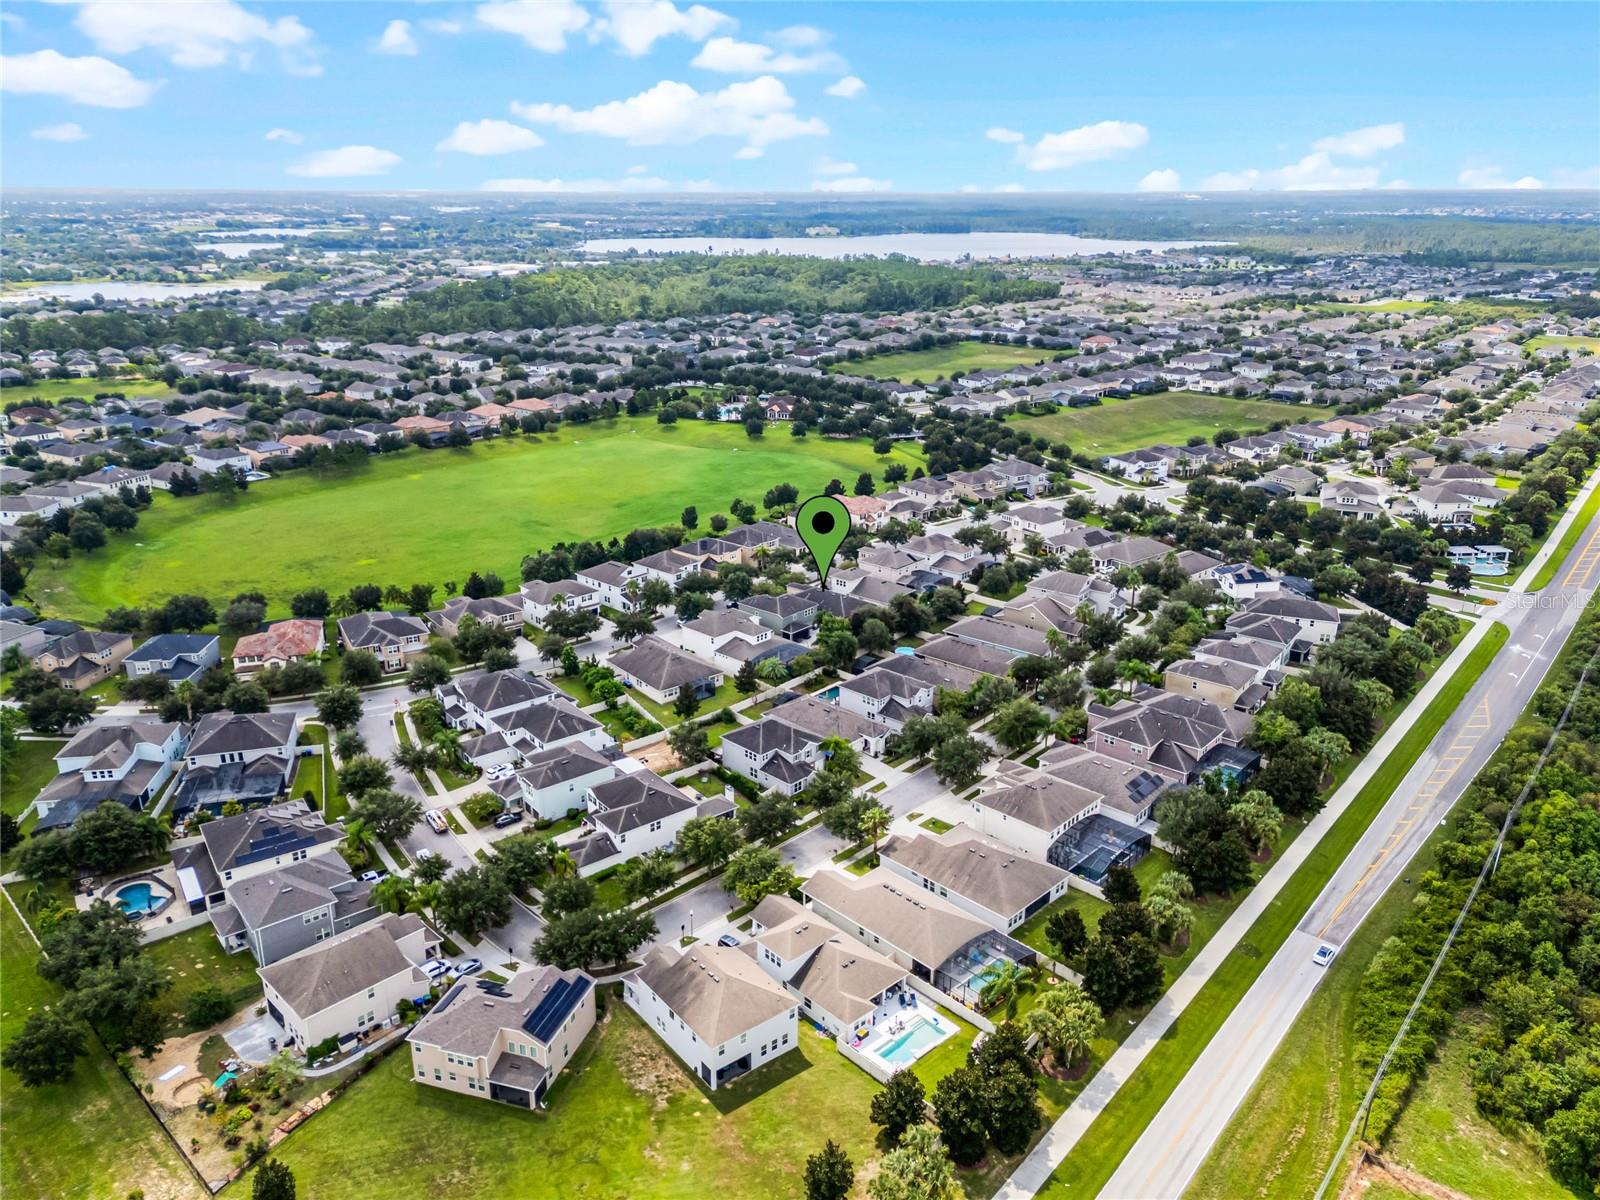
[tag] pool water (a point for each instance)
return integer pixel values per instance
(1491, 569)
(910, 1045)
(137, 898)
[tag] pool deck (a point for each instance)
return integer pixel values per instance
(892, 1021)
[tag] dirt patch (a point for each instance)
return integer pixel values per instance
(646, 1067)
(183, 1089)
(1374, 1167)
(659, 757)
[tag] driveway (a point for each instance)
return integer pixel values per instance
(254, 1041)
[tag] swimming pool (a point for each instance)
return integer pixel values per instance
(907, 1047)
(1491, 569)
(138, 898)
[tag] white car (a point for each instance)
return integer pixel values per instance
(1323, 955)
(433, 968)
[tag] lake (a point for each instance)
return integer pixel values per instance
(130, 291)
(235, 249)
(927, 247)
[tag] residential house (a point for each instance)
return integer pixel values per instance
(662, 671)
(715, 1008)
(397, 639)
(978, 875)
(349, 986)
(82, 659)
(176, 657)
(272, 881)
(248, 757)
(505, 1042)
(278, 645)
(126, 761)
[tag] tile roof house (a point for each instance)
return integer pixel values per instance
(278, 645)
(248, 757)
(505, 1042)
(1170, 735)
(660, 670)
(631, 814)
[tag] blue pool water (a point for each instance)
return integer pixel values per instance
(905, 650)
(909, 1046)
(136, 898)
(1491, 569)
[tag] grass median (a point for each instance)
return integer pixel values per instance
(1119, 1125)
(1569, 539)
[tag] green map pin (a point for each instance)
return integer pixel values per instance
(823, 524)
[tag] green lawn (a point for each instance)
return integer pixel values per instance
(441, 513)
(52, 391)
(194, 959)
(1120, 1123)
(88, 1138)
(25, 771)
(909, 366)
(1569, 342)
(1171, 417)
(724, 697)
(624, 1120)
(318, 775)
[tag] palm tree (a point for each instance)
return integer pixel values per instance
(394, 894)
(562, 866)
(415, 757)
(874, 822)
(1066, 1021)
(1004, 986)
(184, 694)
(359, 839)
(448, 744)
(772, 670)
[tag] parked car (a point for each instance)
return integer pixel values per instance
(508, 818)
(493, 774)
(372, 876)
(469, 966)
(1323, 955)
(727, 939)
(433, 968)
(435, 820)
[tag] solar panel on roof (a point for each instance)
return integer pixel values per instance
(444, 1000)
(546, 1018)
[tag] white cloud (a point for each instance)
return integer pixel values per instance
(197, 33)
(748, 152)
(68, 131)
(542, 24)
(829, 166)
(637, 25)
(1495, 177)
(1087, 143)
(847, 88)
(758, 111)
(630, 183)
(344, 162)
(733, 57)
(490, 136)
(397, 39)
(1363, 143)
(801, 37)
(434, 25)
(1165, 180)
(1316, 172)
(1000, 133)
(86, 80)
(285, 135)
(852, 183)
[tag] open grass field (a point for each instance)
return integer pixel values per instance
(1567, 342)
(1569, 539)
(1441, 1135)
(1120, 1122)
(1171, 417)
(437, 515)
(909, 366)
(50, 391)
(88, 1138)
(195, 959)
(624, 1120)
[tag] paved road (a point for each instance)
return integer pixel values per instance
(1178, 1140)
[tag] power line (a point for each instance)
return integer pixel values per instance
(1491, 863)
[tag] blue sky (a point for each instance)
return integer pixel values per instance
(552, 95)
